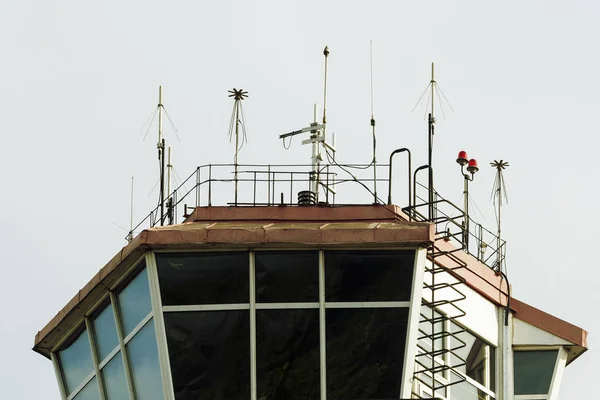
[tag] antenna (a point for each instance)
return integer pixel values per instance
(161, 156)
(498, 192)
(326, 54)
(432, 88)
(374, 162)
(238, 96)
(169, 168)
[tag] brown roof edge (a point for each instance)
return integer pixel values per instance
(549, 323)
(47, 338)
(346, 213)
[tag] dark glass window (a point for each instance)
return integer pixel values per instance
(287, 352)
(534, 370)
(203, 278)
(365, 352)
(368, 275)
(209, 353)
(287, 276)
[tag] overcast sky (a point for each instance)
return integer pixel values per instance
(79, 79)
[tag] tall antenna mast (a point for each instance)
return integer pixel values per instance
(161, 156)
(374, 162)
(326, 54)
(431, 131)
(498, 192)
(169, 169)
(238, 96)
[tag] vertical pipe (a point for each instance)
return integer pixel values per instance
(198, 183)
(209, 185)
(169, 168)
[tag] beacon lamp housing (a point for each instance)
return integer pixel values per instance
(462, 159)
(472, 167)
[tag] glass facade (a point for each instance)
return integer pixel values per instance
(218, 333)
(280, 323)
(126, 324)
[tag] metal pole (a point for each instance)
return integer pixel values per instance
(466, 210)
(430, 163)
(315, 152)
(169, 167)
(235, 161)
(161, 156)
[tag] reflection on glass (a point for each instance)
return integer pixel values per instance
(76, 361)
(465, 391)
(534, 370)
(106, 332)
(209, 352)
(287, 276)
(365, 352)
(287, 353)
(89, 392)
(203, 278)
(135, 302)
(115, 384)
(368, 275)
(143, 359)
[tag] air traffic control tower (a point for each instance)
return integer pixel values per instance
(274, 300)
(286, 293)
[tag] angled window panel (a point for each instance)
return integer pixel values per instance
(134, 301)
(76, 361)
(106, 332)
(115, 383)
(145, 368)
(203, 278)
(357, 276)
(533, 371)
(288, 354)
(209, 353)
(287, 276)
(365, 352)
(89, 392)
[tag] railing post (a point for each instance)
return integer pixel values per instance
(209, 185)
(198, 177)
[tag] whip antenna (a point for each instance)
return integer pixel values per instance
(238, 95)
(498, 193)
(374, 162)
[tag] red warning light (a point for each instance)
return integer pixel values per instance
(462, 158)
(472, 168)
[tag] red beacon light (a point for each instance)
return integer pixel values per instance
(462, 159)
(472, 167)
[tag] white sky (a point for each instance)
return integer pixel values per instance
(80, 78)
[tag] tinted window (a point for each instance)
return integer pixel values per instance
(106, 332)
(287, 277)
(203, 278)
(115, 384)
(135, 302)
(368, 275)
(89, 392)
(365, 352)
(209, 353)
(287, 351)
(76, 361)
(533, 371)
(143, 360)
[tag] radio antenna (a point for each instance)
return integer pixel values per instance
(161, 156)
(238, 95)
(326, 54)
(498, 193)
(374, 162)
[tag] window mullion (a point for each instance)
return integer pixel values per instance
(252, 300)
(159, 327)
(59, 377)
(93, 347)
(117, 314)
(322, 327)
